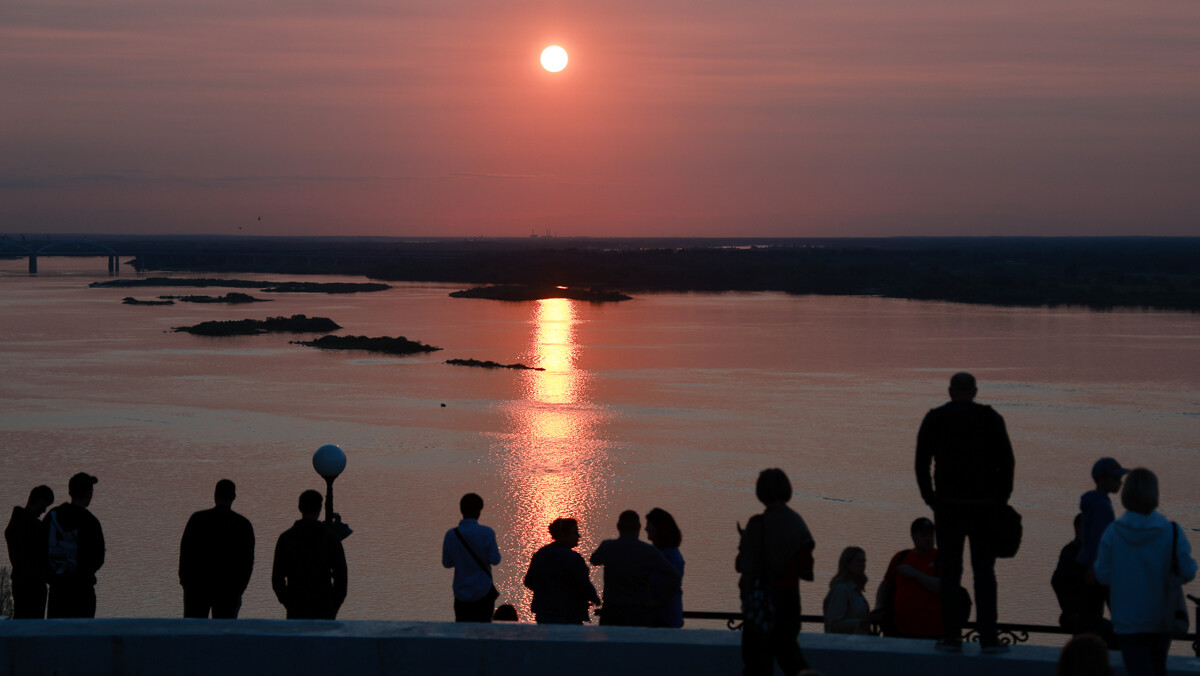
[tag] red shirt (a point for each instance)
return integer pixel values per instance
(918, 610)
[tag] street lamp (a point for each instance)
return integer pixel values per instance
(329, 461)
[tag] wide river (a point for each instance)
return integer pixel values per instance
(672, 400)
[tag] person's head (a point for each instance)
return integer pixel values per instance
(80, 488)
(773, 486)
(565, 532)
(924, 535)
(852, 566)
(1107, 474)
(224, 493)
(1084, 655)
(1140, 493)
(40, 499)
(962, 387)
(662, 530)
(310, 504)
(471, 506)
(629, 523)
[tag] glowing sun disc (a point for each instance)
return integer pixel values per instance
(554, 58)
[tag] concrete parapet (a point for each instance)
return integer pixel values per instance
(147, 647)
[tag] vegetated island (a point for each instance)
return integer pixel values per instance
(130, 300)
(254, 327)
(492, 365)
(269, 287)
(385, 344)
(233, 298)
(522, 292)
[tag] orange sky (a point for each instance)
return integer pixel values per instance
(699, 118)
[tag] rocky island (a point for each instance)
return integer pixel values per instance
(130, 300)
(492, 365)
(387, 345)
(233, 298)
(522, 292)
(253, 327)
(275, 287)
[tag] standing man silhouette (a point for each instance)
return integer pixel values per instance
(972, 480)
(309, 572)
(470, 549)
(26, 537)
(216, 557)
(76, 552)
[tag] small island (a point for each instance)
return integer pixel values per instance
(387, 345)
(254, 327)
(130, 300)
(492, 365)
(232, 298)
(276, 287)
(524, 292)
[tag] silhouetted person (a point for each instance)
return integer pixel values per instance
(505, 613)
(971, 483)
(558, 577)
(1071, 588)
(775, 552)
(664, 533)
(27, 540)
(75, 548)
(1135, 560)
(470, 549)
(846, 610)
(216, 557)
(628, 563)
(1084, 655)
(1096, 508)
(910, 594)
(309, 573)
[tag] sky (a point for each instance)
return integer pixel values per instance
(806, 118)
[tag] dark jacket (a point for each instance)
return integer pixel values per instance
(972, 456)
(309, 573)
(561, 586)
(26, 538)
(217, 551)
(628, 563)
(89, 537)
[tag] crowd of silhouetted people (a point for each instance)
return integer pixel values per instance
(1132, 566)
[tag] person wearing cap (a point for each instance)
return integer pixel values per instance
(1097, 510)
(908, 602)
(26, 538)
(972, 479)
(76, 552)
(216, 558)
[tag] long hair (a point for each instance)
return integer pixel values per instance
(843, 571)
(666, 531)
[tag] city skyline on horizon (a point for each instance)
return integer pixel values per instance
(415, 119)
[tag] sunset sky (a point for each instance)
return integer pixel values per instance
(697, 118)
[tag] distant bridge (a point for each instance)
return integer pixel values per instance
(63, 247)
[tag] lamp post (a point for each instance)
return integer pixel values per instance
(329, 461)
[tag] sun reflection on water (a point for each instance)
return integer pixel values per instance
(555, 459)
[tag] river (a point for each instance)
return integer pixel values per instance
(673, 400)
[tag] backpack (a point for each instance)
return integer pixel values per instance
(64, 547)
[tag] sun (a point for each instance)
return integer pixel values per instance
(554, 58)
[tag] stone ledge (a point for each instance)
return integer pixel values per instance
(145, 647)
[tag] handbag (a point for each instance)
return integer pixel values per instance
(757, 610)
(493, 593)
(1008, 532)
(1177, 612)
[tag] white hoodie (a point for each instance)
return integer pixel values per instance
(1134, 561)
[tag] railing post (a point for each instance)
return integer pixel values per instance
(33, 262)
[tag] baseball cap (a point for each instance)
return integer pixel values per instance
(1108, 467)
(921, 524)
(81, 482)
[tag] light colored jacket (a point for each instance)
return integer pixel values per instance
(1134, 561)
(846, 609)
